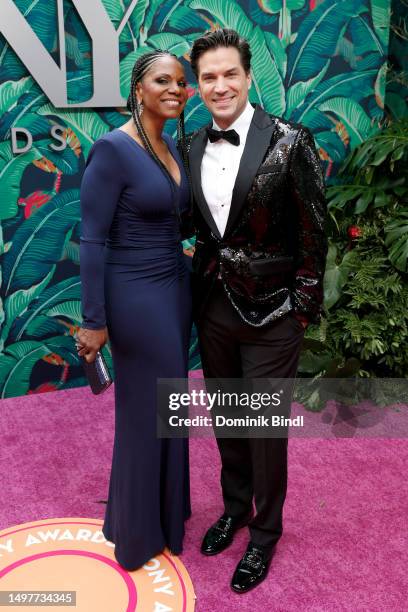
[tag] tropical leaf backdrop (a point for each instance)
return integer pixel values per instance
(321, 63)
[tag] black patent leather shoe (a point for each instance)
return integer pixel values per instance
(220, 535)
(251, 570)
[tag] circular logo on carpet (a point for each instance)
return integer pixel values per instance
(73, 556)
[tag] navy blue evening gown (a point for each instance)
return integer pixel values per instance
(135, 280)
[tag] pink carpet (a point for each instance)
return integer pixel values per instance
(345, 539)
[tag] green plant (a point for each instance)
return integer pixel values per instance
(366, 281)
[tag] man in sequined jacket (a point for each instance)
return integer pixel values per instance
(257, 275)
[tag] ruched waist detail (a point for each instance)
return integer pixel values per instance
(161, 255)
(133, 232)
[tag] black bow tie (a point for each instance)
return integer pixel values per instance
(230, 135)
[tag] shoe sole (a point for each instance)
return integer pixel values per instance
(212, 554)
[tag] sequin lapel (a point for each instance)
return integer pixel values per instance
(256, 146)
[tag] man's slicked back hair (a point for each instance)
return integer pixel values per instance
(222, 37)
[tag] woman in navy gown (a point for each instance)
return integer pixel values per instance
(136, 288)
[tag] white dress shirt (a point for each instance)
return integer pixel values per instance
(219, 168)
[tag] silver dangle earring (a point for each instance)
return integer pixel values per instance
(141, 107)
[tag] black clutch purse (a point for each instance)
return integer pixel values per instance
(97, 374)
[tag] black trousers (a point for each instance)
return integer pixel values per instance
(253, 469)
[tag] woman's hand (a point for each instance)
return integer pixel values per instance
(90, 341)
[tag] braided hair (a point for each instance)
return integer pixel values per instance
(142, 65)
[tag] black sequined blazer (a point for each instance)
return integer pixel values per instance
(272, 255)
